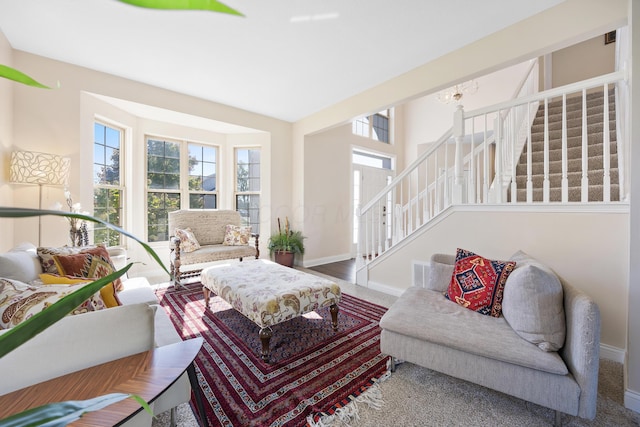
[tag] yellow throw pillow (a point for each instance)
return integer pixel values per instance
(107, 293)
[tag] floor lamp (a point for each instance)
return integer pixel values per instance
(29, 167)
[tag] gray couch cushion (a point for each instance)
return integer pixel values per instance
(440, 271)
(428, 315)
(20, 263)
(533, 303)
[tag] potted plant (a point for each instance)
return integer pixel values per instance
(285, 244)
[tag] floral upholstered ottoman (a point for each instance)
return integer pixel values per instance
(268, 293)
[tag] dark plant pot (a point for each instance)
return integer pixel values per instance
(284, 258)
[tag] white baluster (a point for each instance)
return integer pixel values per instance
(585, 151)
(606, 149)
(485, 153)
(545, 183)
(565, 178)
(471, 197)
(499, 161)
(513, 137)
(458, 133)
(529, 171)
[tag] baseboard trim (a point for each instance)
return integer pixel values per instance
(385, 288)
(632, 400)
(609, 352)
(326, 260)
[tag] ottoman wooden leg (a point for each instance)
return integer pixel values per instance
(265, 338)
(206, 292)
(334, 316)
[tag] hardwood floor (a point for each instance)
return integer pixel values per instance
(345, 270)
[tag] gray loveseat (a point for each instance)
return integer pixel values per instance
(425, 328)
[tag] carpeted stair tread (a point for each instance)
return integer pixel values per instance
(572, 141)
(555, 166)
(595, 176)
(572, 153)
(574, 126)
(575, 194)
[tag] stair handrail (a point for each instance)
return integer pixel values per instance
(613, 77)
(442, 140)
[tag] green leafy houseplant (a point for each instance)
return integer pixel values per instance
(62, 413)
(285, 244)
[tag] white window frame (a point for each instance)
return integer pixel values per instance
(121, 167)
(183, 187)
(236, 192)
(363, 126)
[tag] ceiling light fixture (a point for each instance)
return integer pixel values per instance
(455, 93)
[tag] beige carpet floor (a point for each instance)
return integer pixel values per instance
(415, 396)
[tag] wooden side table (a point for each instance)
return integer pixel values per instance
(147, 374)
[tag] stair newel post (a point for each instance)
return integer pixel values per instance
(359, 255)
(458, 134)
(565, 179)
(545, 183)
(606, 149)
(585, 151)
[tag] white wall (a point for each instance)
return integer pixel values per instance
(426, 118)
(590, 58)
(632, 367)
(577, 246)
(60, 121)
(328, 184)
(6, 124)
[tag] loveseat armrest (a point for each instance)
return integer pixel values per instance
(581, 350)
(256, 239)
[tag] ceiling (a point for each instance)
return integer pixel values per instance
(285, 58)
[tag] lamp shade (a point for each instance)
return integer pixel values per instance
(30, 167)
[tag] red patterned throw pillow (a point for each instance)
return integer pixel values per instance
(478, 283)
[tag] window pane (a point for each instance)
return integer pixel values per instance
(202, 167)
(106, 158)
(248, 170)
(107, 205)
(158, 207)
(380, 127)
(249, 207)
(202, 201)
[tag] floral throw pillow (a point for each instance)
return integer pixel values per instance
(188, 241)
(478, 283)
(18, 303)
(236, 235)
(90, 263)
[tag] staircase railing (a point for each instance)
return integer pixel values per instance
(476, 162)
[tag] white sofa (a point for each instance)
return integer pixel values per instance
(84, 340)
(425, 328)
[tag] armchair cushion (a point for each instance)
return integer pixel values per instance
(188, 241)
(237, 235)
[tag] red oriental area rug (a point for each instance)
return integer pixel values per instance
(315, 373)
